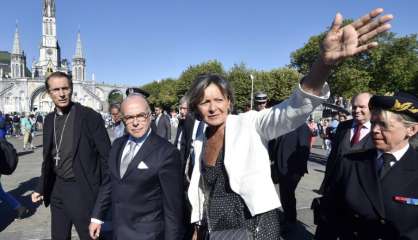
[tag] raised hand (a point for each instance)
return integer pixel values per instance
(343, 42)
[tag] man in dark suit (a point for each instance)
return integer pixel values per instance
(74, 169)
(351, 135)
(186, 133)
(161, 125)
(290, 154)
(375, 194)
(146, 180)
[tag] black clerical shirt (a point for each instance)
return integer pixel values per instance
(64, 167)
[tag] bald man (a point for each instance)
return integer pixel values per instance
(351, 135)
(147, 181)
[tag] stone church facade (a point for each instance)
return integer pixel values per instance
(23, 90)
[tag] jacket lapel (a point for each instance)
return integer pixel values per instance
(48, 132)
(366, 142)
(77, 126)
(402, 173)
(116, 155)
(147, 147)
(366, 170)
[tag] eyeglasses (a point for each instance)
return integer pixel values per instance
(140, 117)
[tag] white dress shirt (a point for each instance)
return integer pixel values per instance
(365, 129)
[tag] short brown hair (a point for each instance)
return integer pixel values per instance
(197, 90)
(59, 75)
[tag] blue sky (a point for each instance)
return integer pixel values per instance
(134, 42)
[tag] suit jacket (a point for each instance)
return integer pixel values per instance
(290, 152)
(340, 146)
(90, 152)
(163, 128)
(186, 127)
(147, 203)
(360, 206)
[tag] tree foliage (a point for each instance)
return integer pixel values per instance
(390, 67)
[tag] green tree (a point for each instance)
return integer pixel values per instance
(390, 67)
(239, 77)
(115, 98)
(395, 64)
(186, 78)
(162, 93)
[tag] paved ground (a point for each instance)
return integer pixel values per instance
(37, 225)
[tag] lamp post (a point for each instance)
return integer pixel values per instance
(252, 91)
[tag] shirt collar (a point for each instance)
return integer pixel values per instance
(367, 125)
(397, 154)
(141, 139)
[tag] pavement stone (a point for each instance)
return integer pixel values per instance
(37, 225)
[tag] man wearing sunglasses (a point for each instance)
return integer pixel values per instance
(146, 179)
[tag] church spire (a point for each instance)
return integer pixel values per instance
(79, 47)
(79, 62)
(17, 58)
(49, 8)
(16, 42)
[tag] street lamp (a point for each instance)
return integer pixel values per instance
(252, 91)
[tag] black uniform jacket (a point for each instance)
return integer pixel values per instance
(290, 152)
(91, 147)
(147, 202)
(360, 206)
(340, 146)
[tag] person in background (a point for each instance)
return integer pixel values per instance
(291, 155)
(374, 192)
(5, 197)
(260, 99)
(117, 128)
(313, 127)
(161, 124)
(39, 121)
(352, 135)
(26, 128)
(174, 123)
(16, 125)
(187, 131)
(3, 125)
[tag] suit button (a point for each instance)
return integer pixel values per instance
(382, 221)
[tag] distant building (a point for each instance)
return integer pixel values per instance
(22, 89)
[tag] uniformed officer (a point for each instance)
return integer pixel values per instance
(375, 193)
(260, 100)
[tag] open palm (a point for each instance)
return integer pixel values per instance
(343, 42)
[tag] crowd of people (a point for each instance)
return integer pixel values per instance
(215, 176)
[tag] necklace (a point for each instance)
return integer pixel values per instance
(58, 145)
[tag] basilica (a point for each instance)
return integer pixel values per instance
(22, 89)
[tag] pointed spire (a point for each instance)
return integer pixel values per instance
(49, 8)
(16, 42)
(79, 47)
